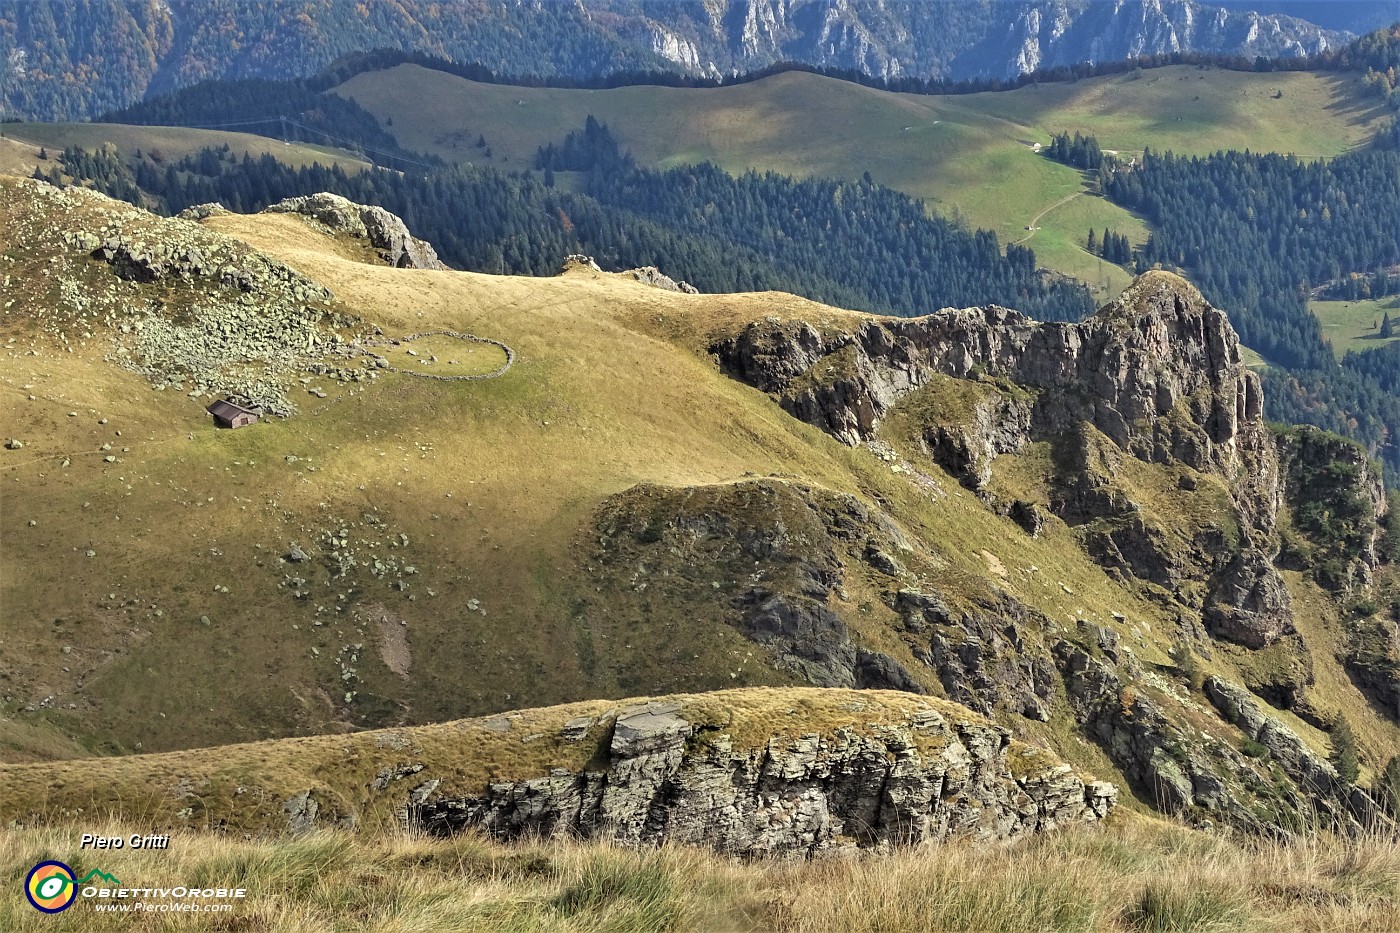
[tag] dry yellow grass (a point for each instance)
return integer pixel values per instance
(1131, 877)
(242, 788)
(494, 482)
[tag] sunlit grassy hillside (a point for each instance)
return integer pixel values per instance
(154, 604)
(969, 156)
(174, 142)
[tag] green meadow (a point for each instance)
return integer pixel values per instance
(972, 157)
(1354, 325)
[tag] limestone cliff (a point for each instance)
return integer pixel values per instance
(1156, 372)
(667, 775)
(1162, 466)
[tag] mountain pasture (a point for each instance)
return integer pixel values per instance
(971, 157)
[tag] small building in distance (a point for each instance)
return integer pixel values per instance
(230, 415)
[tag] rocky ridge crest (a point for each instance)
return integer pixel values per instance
(1157, 373)
(385, 232)
(661, 775)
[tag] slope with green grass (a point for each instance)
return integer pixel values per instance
(1355, 325)
(969, 156)
(172, 143)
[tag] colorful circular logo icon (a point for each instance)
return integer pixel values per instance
(51, 887)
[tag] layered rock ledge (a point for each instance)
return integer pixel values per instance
(384, 231)
(882, 773)
(755, 771)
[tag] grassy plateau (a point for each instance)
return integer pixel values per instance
(969, 156)
(1354, 325)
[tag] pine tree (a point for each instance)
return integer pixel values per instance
(1093, 245)
(1387, 328)
(1344, 752)
(1387, 789)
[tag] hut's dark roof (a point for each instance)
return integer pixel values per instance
(227, 410)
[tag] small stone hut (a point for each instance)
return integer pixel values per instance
(230, 415)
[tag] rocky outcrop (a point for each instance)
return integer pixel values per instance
(650, 275)
(1155, 375)
(182, 304)
(579, 261)
(770, 556)
(985, 658)
(1158, 371)
(1309, 771)
(665, 775)
(1338, 503)
(384, 231)
(1168, 766)
(197, 212)
(966, 446)
(1372, 659)
(172, 253)
(1249, 604)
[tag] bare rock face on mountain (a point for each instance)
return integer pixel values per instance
(663, 776)
(382, 230)
(1338, 500)
(1249, 604)
(1155, 375)
(767, 557)
(1161, 466)
(1158, 371)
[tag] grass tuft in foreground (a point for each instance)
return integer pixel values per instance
(1142, 877)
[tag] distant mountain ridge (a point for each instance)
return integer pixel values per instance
(73, 59)
(999, 39)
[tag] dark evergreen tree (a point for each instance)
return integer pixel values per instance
(1344, 752)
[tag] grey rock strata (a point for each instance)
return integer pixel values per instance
(665, 778)
(1155, 375)
(384, 231)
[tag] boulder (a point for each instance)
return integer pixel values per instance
(384, 231)
(301, 810)
(1248, 603)
(650, 275)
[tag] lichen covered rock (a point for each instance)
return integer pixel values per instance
(384, 231)
(667, 773)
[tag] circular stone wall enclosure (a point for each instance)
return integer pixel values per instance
(383, 362)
